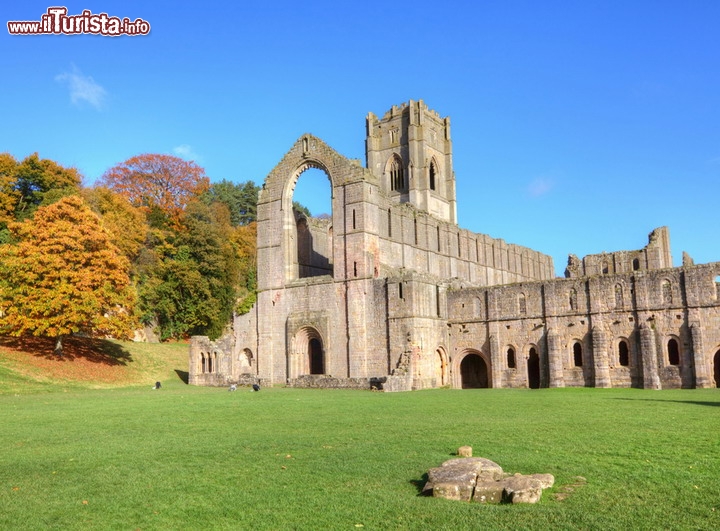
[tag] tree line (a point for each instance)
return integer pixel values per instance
(153, 243)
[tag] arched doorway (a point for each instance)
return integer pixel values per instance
(716, 369)
(307, 354)
(533, 368)
(440, 367)
(474, 372)
(316, 357)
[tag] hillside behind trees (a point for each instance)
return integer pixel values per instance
(185, 245)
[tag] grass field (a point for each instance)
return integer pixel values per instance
(123, 456)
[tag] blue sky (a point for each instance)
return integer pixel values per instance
(578, 127)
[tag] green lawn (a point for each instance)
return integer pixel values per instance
(203, 458)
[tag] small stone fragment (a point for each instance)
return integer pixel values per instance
(546, 480)
(465, 451)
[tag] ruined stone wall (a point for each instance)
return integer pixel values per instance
(577, 327)
(655, 255)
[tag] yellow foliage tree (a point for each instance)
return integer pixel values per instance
(63, 276)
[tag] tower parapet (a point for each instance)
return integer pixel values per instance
(409, 150)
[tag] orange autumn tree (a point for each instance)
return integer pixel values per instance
(63, 276)
(155, 181)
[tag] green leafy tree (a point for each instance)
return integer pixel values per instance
(189, 280)
(240, 199)
(62, 275)
(40, 182)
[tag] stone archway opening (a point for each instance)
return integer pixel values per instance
(716, 368)
(316, 357)
(474, 372)
(533, 368)
(309, 222)
(308, 354)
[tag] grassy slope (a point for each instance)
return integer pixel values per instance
(29, 365)
(127, 457)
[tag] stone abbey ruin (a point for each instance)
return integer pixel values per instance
(390, 293)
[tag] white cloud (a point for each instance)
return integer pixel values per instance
(83, 88)
(186, 152)
(540, 186)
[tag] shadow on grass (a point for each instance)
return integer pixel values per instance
(183, 375)
(420, 485)
(694, 402)
(90, 349)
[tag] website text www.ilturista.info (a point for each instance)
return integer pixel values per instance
(56, 21)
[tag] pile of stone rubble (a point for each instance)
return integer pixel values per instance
(481, 480)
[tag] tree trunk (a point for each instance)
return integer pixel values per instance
(58, 346)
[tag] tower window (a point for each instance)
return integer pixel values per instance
(433, 174)
(397, 175)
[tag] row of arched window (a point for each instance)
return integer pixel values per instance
(665, 289)
(208, 362)
(396, 174)
(622, 352)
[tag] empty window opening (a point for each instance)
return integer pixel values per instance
(522, 304)
(623, 354)
(667, 292)
(716, 368)
(389, 223)
(474, 372)
(673, 352)
(203, 363)
(636, 264)
(415, 229)
(618, 296)
(533, 367)
(459, 245)
(353, 224)
(397, 175)
(438, 237)
(577, 355)
(605, 268)
(717, 287)
(437, 300)
(433, 173)
(511, 358)
(400, 290)
(312, 211)
(315, 351)
(355, 269)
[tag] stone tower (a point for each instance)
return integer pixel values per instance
(409, 150)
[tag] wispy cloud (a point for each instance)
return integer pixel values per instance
(540, 186)
(83, 89)
(186, 152)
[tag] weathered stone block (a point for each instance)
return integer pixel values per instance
(488, 492)
(465, 451)
(453, 491)
(522, 489)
